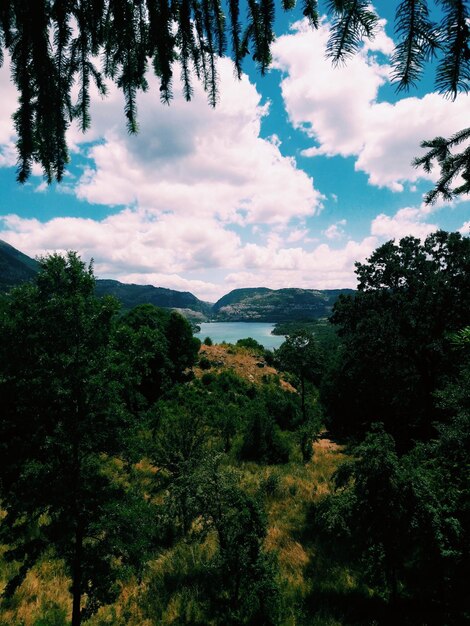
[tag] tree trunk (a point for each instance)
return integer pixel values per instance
(77, 577)
(302, 388)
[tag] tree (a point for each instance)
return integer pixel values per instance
(242, 588)
(300, 355)
(395, 351)
(366, 515)
(62, 425)
(131, 34)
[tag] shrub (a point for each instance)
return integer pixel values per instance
(204, 363)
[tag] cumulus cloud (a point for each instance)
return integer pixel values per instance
(335, 231)
(195, 161)
(168, 252)
(406, 221)
(339, 108)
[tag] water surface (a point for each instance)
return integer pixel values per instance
(231, 332)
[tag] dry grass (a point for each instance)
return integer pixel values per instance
(45, 588)
(241, 361)
(289, 493)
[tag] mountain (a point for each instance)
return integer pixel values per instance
(260, 304)
(15, 267)
(132, 295)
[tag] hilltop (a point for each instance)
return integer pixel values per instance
(276, 305)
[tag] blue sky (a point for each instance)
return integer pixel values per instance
(292, 178)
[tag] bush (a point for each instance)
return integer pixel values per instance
(207, 341)
(204, 363)
(263, 441)
(251, 344)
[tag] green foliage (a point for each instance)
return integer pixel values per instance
(403, 522)
(204, 363)
(251, 344)
(395, 350)
(158, 348)
(207, 341)
(242, 586)
(62, 419)
(263, 441)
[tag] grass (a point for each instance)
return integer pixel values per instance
(169, 592)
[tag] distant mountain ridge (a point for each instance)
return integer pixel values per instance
(275, 305)
(15, 267)
(255, 304)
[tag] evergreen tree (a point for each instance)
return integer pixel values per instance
(49, 55)
(62, 425)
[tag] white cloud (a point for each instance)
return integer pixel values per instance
(340, 109)
(406, 221)
(133, 246)
(465, 228)
(192, 160)
(335, 231)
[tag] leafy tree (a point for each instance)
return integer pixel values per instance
(300, 355)
(242, 586)
(263, 441)
(183, 348)
(143, 349)
(131, 35)
(403, 522)
(62, 423)
(395, 351)
(157, 347)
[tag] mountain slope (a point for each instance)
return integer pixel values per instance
(132, 295)
(15, 267)
(269, 305)
(258, 304)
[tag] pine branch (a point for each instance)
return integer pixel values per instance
(418, 42)
(353, 20)
(453, 71)
(310, 11)
(451, 165)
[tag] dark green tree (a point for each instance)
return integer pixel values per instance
(300, 355)
(242, 578)
(48, 56)
(62, 425)
(395, 352)
(367, 514)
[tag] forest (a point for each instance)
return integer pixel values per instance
(144, 481)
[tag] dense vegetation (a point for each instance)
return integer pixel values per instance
(146, 482)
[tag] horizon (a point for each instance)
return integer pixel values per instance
(291, 179)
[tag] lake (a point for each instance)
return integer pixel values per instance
(231, 332)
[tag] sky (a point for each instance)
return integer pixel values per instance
(286, 183)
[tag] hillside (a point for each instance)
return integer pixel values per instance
(269, 305)
(15, 267)
(258, 304)
(241, 361)
(131, 295)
